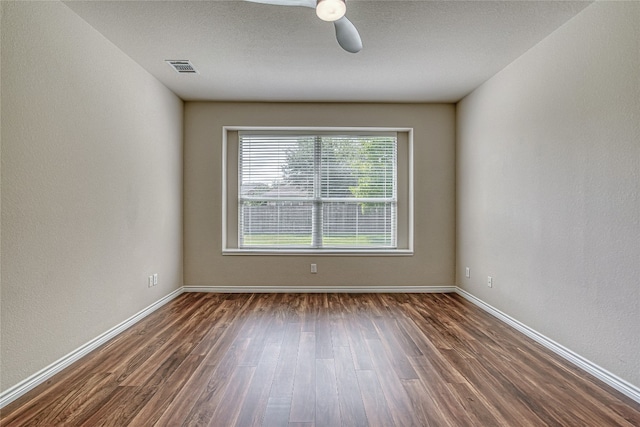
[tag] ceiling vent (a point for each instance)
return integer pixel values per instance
(182, 66)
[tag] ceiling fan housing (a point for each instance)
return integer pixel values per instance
(328, 10)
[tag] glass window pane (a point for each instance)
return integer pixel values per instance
(361, 167)
(276, 167)
(275, 224)
(312, 191)
(359, 225)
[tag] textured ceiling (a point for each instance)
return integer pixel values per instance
(414, 51)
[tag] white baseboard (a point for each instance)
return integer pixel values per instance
(321, 289)
(602, 374)
(44, 374)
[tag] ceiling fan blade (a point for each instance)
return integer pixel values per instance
(347, 35)
(305, 3)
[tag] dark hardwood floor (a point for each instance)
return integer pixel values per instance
(321, 360)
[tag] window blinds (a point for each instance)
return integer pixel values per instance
(317, 191)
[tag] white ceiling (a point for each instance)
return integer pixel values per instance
(414, 51)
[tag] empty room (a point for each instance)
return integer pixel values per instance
(320, 213)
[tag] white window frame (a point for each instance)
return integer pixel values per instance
(407, 222)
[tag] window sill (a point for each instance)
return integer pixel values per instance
(315, 252)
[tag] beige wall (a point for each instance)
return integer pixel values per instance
(548, 170)
(434, 151)
(91, 187)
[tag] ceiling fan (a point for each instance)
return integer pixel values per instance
(331, 11)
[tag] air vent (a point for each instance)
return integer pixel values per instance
(182, 66)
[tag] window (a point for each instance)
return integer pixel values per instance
(315, 191)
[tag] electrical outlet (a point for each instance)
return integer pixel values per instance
(153, 280)
(490, 281)
(314, 268)
(467, 272)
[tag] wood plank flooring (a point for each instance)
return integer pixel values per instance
(317, 360)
